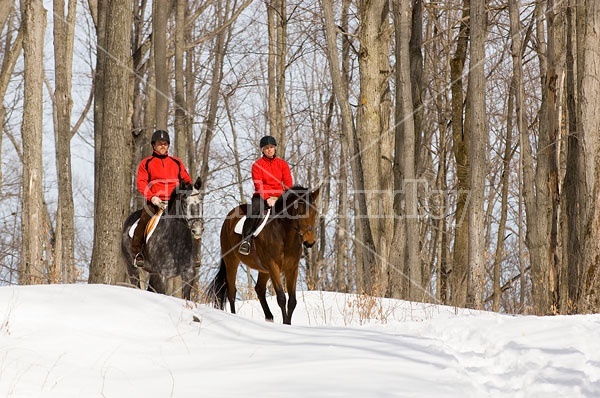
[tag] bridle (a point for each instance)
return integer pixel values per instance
(190, 220)
(298, 229)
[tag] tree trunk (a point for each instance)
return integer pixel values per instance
(504, 188)
(111, 207)
(238, 173)
(277, 63)
(553, 88)
(461, 136)
(281, 68)
(478, 150)
(364, 247)
(416, 76)
(590, 121)
(374, 138)
(405, 157)
(160, 19)
(573, 183)
(64, 36)
(537, 186)
(11, 55)
(181, 110)
(32, 267)
(219, 50)
(142, 113)
(5, 7)
(100, 20)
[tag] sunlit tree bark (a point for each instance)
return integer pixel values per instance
(32, 268)
(590, 122)
(461, 144)
(111, 206)
(478, 151)
(64, 36)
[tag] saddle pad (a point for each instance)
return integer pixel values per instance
(152, 224)
(240, 225)
(133, 227)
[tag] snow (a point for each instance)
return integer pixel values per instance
(109, 341)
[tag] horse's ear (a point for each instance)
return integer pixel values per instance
(314, 194)
(198, 183)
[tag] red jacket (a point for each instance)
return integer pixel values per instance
(159, 175)
(271, 176)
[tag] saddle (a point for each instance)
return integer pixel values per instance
(150, 227)
(239, 226)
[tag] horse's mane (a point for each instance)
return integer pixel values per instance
(290, 196)
(181, 186)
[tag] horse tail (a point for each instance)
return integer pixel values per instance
(218, 287)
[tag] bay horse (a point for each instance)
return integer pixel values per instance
(276, 249)
(169, 250)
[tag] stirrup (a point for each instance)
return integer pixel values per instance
(244, 248)
(138, 261)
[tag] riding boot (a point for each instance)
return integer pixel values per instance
(137, 242)
(246, 242)
(256, 208)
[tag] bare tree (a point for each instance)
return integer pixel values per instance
(537, 184)
(364, 244)
(590, 121)
(110, 204)
(5, 8)
(405, 177)
(461, 148)
(573, 185)
(32, 267)
(277, 64)
(182, 140)
(477, 163)
(64, 27)
(12, 52)
(374, 138)
(160, 19)
(219, 49)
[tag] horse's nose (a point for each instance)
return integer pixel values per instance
(308, 245)
(197, 231)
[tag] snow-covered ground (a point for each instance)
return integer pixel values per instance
(106, 341)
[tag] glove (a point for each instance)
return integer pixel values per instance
(156, 201)
(271, 201)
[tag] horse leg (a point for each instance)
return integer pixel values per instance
(261, 291)
(156, 284)
(278, 286)
(291, 276)
(231, 266)
(188, 277)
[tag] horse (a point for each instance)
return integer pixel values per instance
(169, 249)
(276, 249)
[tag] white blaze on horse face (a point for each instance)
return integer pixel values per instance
(194, 214)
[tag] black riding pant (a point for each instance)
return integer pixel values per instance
(257, 209)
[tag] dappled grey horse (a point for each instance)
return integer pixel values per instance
(169, 250)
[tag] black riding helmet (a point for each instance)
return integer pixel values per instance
(268, 140)
(160, 135)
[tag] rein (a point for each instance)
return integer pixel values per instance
(179, 203)
(294, 225)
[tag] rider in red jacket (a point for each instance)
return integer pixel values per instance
(271, 176)
(157, 176)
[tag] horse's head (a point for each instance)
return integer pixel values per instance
(300, 205)
(189, 206)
